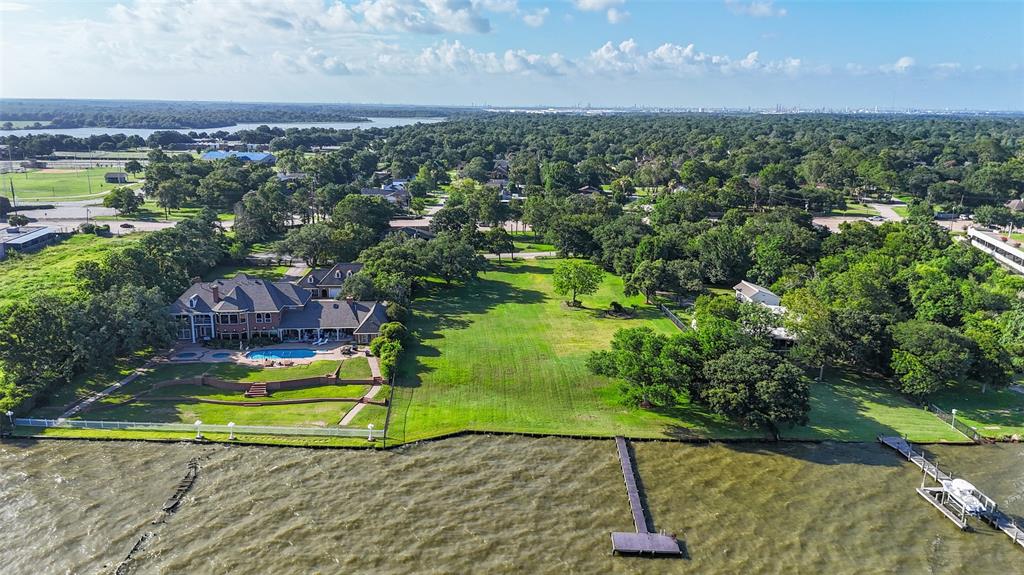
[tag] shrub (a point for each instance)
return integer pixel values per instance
(393, 331)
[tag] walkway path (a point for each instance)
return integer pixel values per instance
(295, 272)
(74, 409)
(370, 393)
(886, 211)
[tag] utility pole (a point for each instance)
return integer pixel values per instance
(10, 161)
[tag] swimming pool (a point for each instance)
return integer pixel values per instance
(220, 355)
(281, 354)
(185, 355)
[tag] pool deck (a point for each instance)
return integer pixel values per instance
(191, 353)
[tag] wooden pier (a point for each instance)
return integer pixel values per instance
(643, 542)
(937, 495)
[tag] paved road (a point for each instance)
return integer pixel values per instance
(886, 211)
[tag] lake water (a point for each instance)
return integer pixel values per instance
(493, 505)
(146, 132)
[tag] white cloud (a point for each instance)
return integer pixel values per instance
(755, 8)
(616, 16)
(535, 19)
(14, 7)
(627, 58)
(900, 66)
(596, 5)
(454, 57)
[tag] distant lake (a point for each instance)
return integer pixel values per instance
(145, 132)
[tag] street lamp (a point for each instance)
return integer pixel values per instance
(952, 421)
(369, 427)
(10, 416)
(199, 433)
(231, 430)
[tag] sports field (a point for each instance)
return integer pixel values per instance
(59, 184)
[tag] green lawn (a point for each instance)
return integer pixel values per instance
(151, 211)
(355, 368)
(52, 269)
(849, 407)
(855, 209)
(86, 384)
(531, 242)
(505, 354)
(225, 271)
(61, 185)
(994, 413)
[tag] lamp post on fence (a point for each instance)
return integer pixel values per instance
(231, 430)
(952, 420)
(199, 432)
(10, 417)
(369, 427)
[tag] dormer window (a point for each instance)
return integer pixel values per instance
(310, 279)
(337, 274)
(348, 274)
(193, 301)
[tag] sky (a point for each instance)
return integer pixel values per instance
(599, 53)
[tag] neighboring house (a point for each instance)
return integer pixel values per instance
(244, 307)
(400, 198)
(1015, 205)
(414, 232)
(591, 190)
(254, 157)
(395, 185)
(291, 176)
(752, 293)
(115, 178)
(1003, 249)
(325, 283)
(749, 292)
(500, 171)
(25, 239)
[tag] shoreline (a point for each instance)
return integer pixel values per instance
(214, 439)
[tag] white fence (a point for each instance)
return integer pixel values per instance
(205, 428)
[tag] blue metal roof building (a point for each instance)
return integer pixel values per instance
(256, 157)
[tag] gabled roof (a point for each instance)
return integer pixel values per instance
(750, 289)
(240, 293)
(1015, 205)
(329, 277)
(398, 193)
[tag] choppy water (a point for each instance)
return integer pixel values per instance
(492, 505)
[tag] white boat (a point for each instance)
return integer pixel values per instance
(965, 494)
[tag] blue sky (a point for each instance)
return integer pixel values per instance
(713, 53)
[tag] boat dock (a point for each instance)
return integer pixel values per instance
(643, 542)
(987, 510)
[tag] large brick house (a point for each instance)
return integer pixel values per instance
(244, 307)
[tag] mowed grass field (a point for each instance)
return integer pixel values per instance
(505, 354)
(52, 269)
(59, 184)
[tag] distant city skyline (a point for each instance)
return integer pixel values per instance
(518, 53)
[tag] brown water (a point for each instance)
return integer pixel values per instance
(492, 505)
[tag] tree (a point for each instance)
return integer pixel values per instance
(929, 357)
(133, 167)
(5, 206)
(418, 206)
(576, 277)
(453, 259)
(369, 211)
(171, 194)
(123, 199)
(17, 220)
(647, 278)
(756, 387)
(652, 368)
(359, 286)
(499, 242)
(314, 243)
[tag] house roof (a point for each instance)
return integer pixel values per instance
(590, 190)
(16, 236)
(1015, 205)
(750, 289)
(361, 316)
(329, 277)
(248, 156)
(398, 193)
(240, 293)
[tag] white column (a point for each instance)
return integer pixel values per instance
(192, 323)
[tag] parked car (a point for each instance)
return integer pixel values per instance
(127, 226)
(876, 219)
